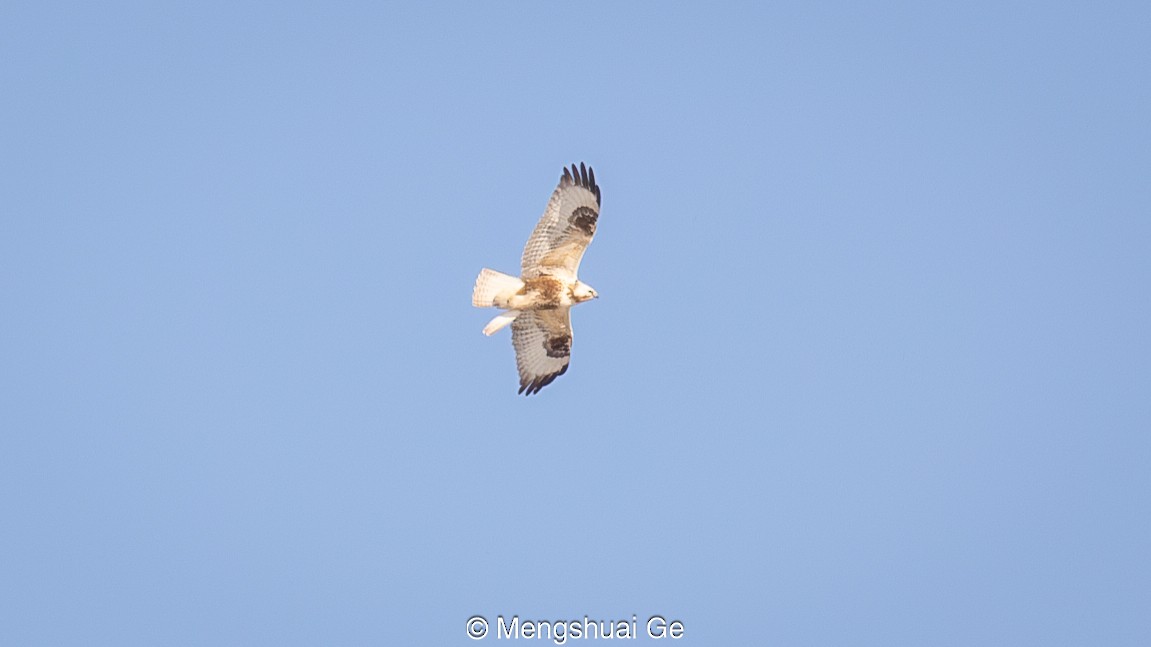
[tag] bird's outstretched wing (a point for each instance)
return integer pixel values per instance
(543, 343)
(566, 228)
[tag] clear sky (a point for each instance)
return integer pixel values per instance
(871, 362)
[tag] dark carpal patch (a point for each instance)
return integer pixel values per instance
(584, 219)
(559, 347)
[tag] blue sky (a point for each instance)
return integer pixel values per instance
(869, 366)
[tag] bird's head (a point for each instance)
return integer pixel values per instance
(583, 292)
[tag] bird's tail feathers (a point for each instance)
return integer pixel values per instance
(501, 320)
(494, 288)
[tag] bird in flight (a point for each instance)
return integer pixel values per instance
(538, 303)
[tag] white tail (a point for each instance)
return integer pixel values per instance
(494, 288)
(501, 320)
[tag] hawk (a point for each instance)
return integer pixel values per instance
(538, 303)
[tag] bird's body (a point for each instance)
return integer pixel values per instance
(538, 303)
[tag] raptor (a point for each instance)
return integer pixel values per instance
(538, 303)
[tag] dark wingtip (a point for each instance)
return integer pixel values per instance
(585, 176)
(534, 386)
